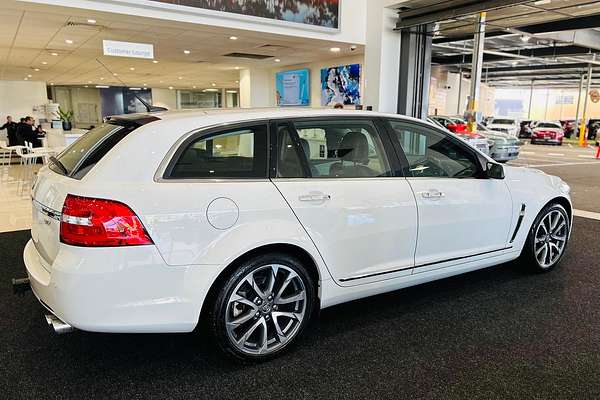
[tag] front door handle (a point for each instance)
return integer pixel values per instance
(314, 197)
(433, 194)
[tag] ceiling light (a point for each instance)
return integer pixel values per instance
(54, 54)
(237, 81)
(211, 90)
(542, 2)
(237, 67)
(36, 69)
(213, 84)
(170, 87)
(145, 84)
(132, 69)
(91, 21)
(29, 76)
(102, 87)
(186, 52)
(233, 38)
(51, 83)
(86, 86)
(102, 78)
(135, 88)
(193, 87)
(277, 60)
(115, 74)
(335, 49)
(89, 81)
(180, 77)
(525, 38)
(155, 61)
(68, 41)
(26, 79)
(44, 62)
(231, 91)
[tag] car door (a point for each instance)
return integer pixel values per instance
(461, 214)
(338, 176)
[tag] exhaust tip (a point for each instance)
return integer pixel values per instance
(59, 326)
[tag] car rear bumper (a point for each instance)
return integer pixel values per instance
(505, 154)
(127, 290)
(546, 140)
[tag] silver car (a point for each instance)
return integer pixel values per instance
(504, 147)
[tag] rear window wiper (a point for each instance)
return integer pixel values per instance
(60, 165)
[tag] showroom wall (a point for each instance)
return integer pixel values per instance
(19, 98)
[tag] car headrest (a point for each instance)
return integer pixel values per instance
(354, 147)
(305, 147)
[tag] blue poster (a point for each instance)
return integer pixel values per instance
(340, 85)
(293, 88)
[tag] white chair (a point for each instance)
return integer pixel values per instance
(7, 152)
(28, 160)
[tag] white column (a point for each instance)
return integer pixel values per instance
(256, 88)
(382, 58)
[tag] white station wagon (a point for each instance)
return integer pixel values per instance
(247, 222)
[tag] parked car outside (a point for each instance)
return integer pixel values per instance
(525, 129)
(568, 126)
(246, 223)
(453, 124)
(503, 147)
(474, 139)
(547, 132)
(505, 125)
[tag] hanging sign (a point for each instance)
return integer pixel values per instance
(128, 49)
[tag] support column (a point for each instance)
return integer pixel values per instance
(579, 101)
(382, 59)
(476, 69)
(582, 131)
(530, 100)
(459, 102)
(255, 88)
(415, 71)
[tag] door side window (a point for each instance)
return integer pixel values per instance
(340, 149)
(434, 154)
(238, 153)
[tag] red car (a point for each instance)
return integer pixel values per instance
(453, 124)
(548, 133)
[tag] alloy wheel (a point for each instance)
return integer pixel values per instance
(266, 309)
(550, 238)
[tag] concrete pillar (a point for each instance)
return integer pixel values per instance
(382, 58)
(255, 88)
(476, 69)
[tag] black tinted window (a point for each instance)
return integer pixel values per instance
(238, 153)
(82, 155)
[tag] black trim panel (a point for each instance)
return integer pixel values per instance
(519, 222)
(423, 265)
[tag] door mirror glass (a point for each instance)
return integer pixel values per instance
(494, 171)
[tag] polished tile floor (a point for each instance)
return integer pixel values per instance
(15, 201)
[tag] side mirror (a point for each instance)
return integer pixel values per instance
(494, 171)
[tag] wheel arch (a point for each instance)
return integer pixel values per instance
(563, 201)
(286, 248)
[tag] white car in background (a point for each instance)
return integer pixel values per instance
(505, 125)
(246, 223)
(503, 147)
(474, 139)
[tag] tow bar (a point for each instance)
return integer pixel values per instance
(21, 286)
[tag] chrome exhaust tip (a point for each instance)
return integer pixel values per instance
(58, 325)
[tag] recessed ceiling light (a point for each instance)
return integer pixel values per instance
(132, 69)
(186, 52)
(542, 2)
(233, 38)
(237, 67)
(102, 87)
(335, 49)
(193, 87)
(525, 38)
(214, 84)
(102, 78)
(86, 86)
(29, 76)
(161, 81)
(91, 21)
(170, 87)
(36, 69)
(145, 84)
(277, 60)
(180, 77)
(115, 74)
(155, 61)
(54, 54)
(45, 62)
(25, 79)
(68, 41)
(237, 81)
(89, 81)
(51, 83)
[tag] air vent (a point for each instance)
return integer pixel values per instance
(72, 24)
(273, 47)
(248, 56)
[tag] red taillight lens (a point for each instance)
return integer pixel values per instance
(92, 222)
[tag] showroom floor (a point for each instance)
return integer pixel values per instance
(496, 333)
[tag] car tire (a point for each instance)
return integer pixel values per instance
(268, 322)
(547, 239)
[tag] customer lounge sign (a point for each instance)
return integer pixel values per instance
(128, 49)
(322, 13)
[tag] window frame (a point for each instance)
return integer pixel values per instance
(480, 160)
(381, 129)
(205, 134)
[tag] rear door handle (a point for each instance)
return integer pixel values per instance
(433, 194)
(314, 197)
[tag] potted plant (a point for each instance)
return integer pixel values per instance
(67, 118)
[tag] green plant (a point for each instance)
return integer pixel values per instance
(65, 115)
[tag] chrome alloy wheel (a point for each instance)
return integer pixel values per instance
(266, 309)
(550, 238)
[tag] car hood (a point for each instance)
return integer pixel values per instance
(531, 177)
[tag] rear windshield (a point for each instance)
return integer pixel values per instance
(547, 125)
(77, 159)
(503, 121)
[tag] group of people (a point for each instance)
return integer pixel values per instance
(23, 131)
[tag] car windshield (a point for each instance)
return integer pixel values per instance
(503, 121)
(547, 125)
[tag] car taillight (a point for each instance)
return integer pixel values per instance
(90, 222)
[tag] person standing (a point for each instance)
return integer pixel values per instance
(25, 132)
(11, 130)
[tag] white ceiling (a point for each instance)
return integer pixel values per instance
(30, 33)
